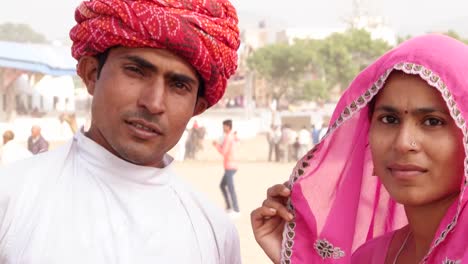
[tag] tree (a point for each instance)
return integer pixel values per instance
(20, 33)
(344, 55)
(451, 33)
(455, 35)
(310, 69)
(281, 65)
(314, 90)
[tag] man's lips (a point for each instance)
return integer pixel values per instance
(405, 170)
(144, 127)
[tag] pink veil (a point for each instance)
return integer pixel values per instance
(338, 204)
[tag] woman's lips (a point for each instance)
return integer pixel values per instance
(405, 171)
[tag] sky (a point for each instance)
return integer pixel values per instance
(54, 18)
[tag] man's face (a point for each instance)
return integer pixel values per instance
(35, 131)
(143, 100)
(226, 129)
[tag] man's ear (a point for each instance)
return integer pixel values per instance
(200, 106)
(87, 69)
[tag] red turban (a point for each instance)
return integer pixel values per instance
(203, 32)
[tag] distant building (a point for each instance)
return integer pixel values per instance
(49, 94)
(377, 27)
(35, 79)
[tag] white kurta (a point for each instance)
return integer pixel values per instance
(81, 204)
(13, 151)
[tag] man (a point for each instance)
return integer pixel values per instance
(36, 142)
(272, 142)
(12, 150)
(111, 195)
(228, 150)
(288, 138)
(316, 134)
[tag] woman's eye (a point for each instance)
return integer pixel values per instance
(389, 120)
(433, 122)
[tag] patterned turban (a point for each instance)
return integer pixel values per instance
(203, 32)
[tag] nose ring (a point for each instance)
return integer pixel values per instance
(413, 144)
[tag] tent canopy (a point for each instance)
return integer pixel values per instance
(42, 58)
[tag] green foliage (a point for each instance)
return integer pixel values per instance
(402, 39)
(455, 35)
(281, 65)
(450, 33)
(315, 90)
(309, 69)
(20, 33)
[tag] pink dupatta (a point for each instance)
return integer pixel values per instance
(338, 204)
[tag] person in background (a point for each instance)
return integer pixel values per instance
(272, 143)
(13, 150)
(228, 150)
(36, 142)
(304, 142)
(316, 133)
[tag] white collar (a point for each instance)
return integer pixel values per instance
(103, 162)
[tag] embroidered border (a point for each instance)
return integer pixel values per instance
(449, 261)
(410, 68)
(326, 249)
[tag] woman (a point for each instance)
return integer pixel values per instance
(403, 119)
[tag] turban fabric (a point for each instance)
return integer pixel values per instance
(203, 32)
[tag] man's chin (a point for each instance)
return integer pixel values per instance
(138, 158)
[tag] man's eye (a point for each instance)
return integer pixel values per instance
(433, 122)
(134, 69)
(389, 120)
(181, 85)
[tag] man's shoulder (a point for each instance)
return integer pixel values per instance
(220, 225)
(217, 217)
(35, 164)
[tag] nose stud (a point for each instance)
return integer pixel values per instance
(413, 144)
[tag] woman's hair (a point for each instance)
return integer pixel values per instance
(371, 107)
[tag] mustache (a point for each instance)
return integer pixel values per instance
(141, 114)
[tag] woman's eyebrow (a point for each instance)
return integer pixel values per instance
(417, 111)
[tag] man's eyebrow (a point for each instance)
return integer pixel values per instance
(141, 62)
(181, 78)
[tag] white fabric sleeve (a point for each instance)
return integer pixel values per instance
(232, 246)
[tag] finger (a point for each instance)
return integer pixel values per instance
(258, 216)
(281, 209)
(278, 190)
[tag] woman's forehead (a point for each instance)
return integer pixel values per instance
(402, 89)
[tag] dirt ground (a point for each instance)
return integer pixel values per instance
(253, 178)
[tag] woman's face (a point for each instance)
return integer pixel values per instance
(416, 146)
